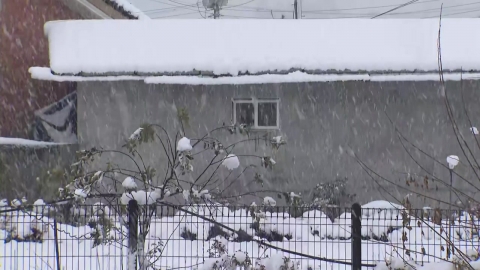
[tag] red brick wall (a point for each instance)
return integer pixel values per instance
(22, 45)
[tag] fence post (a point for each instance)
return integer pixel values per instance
(132, 235)
(55, 237)
(356, 237)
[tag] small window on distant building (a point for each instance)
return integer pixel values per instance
(256, 113)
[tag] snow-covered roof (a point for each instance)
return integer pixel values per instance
(127, 9)
(42, 73)
(233, 47)
(25, 142)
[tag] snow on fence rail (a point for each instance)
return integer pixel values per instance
(96, 236)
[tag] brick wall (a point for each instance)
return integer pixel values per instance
(22, 45)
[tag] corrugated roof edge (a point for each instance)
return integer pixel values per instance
(44, 73)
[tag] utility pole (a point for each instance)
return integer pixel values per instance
(216, 11)
(295, 10)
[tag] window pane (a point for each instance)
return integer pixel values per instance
(267, 114)
(245, 113)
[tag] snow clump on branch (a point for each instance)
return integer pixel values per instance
(269, 201)
(129, 183)
(452, 161)
(142, 197)
(136, 135)
(184, 145)
(231, 162)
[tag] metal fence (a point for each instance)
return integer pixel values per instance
(189, 237)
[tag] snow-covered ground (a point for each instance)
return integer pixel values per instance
(311, 9)
(187, 240)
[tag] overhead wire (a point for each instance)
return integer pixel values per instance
(362, 15)
(362, 8)
(456, 13)
(176, 5)
(436, 9)
(393, 9)
(248, 17)
(199, 12)
(359, 15)
(179, 5)
(175, 15)
(252, 9)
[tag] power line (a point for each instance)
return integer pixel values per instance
(239, 5)
(199, 12)
(187, 7)
(393, 9)
(462, 12)
(183, 4)
(253, 9)
(436, 9)
(398, 13)
(169, 4)
(360, 8)
(161, 17)
(176, 5)
(249, 17)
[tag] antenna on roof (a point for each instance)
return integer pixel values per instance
(215, 5)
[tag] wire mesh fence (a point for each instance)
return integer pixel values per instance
(196, 236)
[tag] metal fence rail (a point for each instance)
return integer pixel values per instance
(97, 236)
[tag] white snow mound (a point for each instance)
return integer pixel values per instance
(452, 161)
(129, 183)
(474, 130)
(231, 162)
(184, 145)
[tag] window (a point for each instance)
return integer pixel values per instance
(256, 113)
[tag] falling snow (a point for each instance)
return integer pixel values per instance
(353, 99)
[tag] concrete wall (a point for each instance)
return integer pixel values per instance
(320, 121)
(34, 172)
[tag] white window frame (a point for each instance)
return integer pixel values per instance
(255, 102)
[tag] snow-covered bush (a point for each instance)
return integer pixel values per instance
(103, 223)
(24, 226)
(220, 259)
(331, 197)
(396, 263)
(277, 262)
(138, 184)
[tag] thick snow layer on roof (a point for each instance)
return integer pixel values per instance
(42, 73)
(254, 46)
(127, 6)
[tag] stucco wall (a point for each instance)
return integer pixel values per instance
(320, 121)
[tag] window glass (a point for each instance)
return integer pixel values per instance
(267, 114)
(245, 113)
